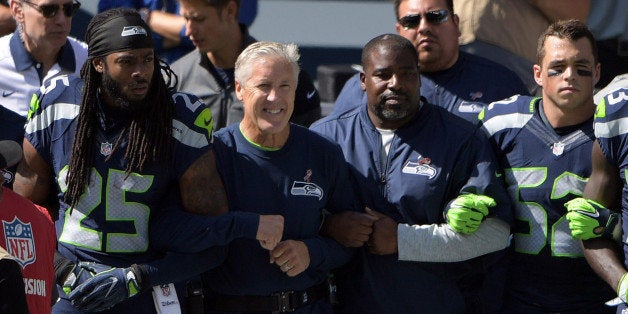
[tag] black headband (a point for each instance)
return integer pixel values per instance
(120, 33)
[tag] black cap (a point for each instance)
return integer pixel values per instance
(10, 153)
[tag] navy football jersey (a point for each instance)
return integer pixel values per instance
(110, 222)
(544, 169)
(611, 131)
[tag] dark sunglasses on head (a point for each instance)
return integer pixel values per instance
(50, 10)
(432, 17)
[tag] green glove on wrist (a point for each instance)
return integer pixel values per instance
(589, 219)
(465, 213)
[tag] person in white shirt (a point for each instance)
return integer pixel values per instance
(38, 50)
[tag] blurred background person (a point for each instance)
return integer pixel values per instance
(38, 50)
(7, 23)
(460, 82)
(167, 24)
(208, 71)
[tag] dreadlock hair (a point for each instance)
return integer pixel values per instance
(149, 134)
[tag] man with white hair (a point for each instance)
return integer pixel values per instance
(38, 50)
(270, 166)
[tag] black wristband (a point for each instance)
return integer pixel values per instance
(63, 268)
(140, 276)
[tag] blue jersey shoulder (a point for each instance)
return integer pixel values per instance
(193, 113)
(61, 89)
(611, 118)
(612, 109)
(187, 106)
(53, 109)
(511, 113)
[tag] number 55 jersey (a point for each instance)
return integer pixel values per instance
(544, 168)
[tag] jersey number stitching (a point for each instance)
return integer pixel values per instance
(560, 240)
(117, 210)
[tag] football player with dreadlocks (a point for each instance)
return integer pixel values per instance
(117, 146)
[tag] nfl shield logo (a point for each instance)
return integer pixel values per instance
(106, 148)
(19, 240)
(558, 148)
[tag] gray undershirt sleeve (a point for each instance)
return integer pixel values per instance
(439, 243)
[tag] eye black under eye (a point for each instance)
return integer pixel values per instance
(583, 72)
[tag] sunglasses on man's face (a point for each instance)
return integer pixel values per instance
(432, 17)
(50, 10)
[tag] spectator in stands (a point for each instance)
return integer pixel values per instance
(164, 20)
(607, 20)
(506, 31)
(168, 25)
(38, 50)
(248, 12)
(457, 81)
(208, 72)
(7, 23)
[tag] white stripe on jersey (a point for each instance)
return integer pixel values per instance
(51, 114)
(188, 102)
(507, 121)
(611, 128)
(187, 136)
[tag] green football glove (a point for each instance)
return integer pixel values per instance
(465, 213)
(589, 219)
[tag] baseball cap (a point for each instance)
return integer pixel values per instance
(10, 153)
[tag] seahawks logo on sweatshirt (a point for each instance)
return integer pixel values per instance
(420, 167)
(306, 187)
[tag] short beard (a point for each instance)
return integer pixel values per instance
(114, 92)
(390, 114)
(403, 111)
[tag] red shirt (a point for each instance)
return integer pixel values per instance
(28, 234)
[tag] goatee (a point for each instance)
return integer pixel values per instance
(113, 90)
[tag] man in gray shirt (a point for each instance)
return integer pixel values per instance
(207, 72)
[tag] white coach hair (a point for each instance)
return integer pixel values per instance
(265, 50)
